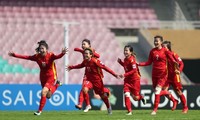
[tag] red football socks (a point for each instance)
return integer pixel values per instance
(106, 101)
(86, 98)
(156, 102)
(183, 100)
(128, 104)
(80, 100)
(42, 103)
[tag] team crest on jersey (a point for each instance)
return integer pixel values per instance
(134, 66)
(43, 64)
(157, 56)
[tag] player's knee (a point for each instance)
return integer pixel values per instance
(85, 90)
(127, 94)
(158, 90)
(179, 92)
(105, 94)
(49, 94)
(165, 88)
(136, 98)
(44, 92)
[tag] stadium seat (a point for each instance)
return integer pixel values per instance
(32, 20)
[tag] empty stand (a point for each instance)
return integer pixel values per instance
(106, 11)
(23, 23)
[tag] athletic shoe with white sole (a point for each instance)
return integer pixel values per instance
(37, 113)
(144, 101)
(110, 111)
(59, 83)
(88, 107)
(185, 110)
(78, 107)
(129, 113)
(153, 113)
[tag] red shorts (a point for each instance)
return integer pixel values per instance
(106, 90)
(98, 87)
(133, 88)
(86, 84)
(175, 81)
(157, 81)
(47, 82)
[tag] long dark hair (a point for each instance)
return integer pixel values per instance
(87, 41)
(131, 49)
(42, 42)
(168, 44)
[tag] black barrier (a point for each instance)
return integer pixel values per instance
(192, 94)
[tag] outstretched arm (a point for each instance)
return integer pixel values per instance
(64, 51)
(82, 51)
(79, 50)
(68, 68)
(134, 70)
(149, 62)
(26, 57)
(101, 65)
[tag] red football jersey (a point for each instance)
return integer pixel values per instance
(46, 64)
(93, 69)
(131, 69)
(172, 67)
(159, 59)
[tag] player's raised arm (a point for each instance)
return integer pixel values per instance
(63, 52)
(26, 57)
(149, 62)
(70, 67)
(79, 50)
(101, 65)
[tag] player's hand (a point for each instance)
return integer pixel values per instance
(117, 76)
(11, 53)
(176, 64)
(119, 60)
(177, 71)
(68, 68)
(121, 76)
(64, 50)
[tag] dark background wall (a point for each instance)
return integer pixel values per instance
(192, 70)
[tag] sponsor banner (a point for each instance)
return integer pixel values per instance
(27, 97)
(191, 93)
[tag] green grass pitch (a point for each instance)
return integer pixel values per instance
(100, 115)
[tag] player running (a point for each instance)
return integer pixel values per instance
(86, 85)
(94, 74)
(48, 74)
(158, 57)
(131, 78)
(174, 77)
